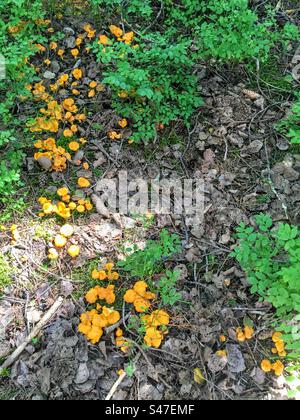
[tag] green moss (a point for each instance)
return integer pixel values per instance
(5, 273)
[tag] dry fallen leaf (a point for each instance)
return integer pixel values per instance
(198, 376)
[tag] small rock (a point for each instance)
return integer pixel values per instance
(45, 163)
(283, 144)
(33, 316)
(69, 31)
(49, 75)
(203, 136)
(236, 362)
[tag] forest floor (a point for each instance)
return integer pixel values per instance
(247, 168)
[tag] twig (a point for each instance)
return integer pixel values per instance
(115, 326)
(226, 149)
(115, 386)
(46, 318)
(119, 381)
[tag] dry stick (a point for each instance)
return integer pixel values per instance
(46, 318)
(119, 381)
(115, 386)
(115, 326)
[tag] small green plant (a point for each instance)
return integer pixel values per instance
(157, 78)
(148, 261)
(130, 369)
(5, 373)
(270, 256)
(290, 126)
(167, 288)
(157, 73)
(20, 30)
(136, 8)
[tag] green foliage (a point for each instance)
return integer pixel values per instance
(167, 288)
(226, 30)
(5, 273)
(137, 8)
(18, 34)
(159, 73)
(148, 261)
(270, 256)
(5, 373)
(158, 78)
(130, 369)
(290, 126)
(10, 163)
